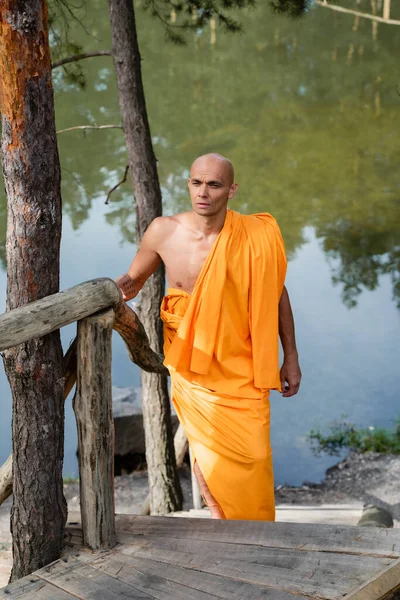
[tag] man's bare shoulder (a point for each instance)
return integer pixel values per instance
(163, 228)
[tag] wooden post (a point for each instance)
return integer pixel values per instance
(93, 412)
(197, 501)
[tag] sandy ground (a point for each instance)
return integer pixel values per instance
(361, 478)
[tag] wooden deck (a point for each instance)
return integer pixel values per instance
(332, 514)
(198, 559)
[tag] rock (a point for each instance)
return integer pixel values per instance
(375, 516)
(128, 421)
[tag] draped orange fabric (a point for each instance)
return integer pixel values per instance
(221, 348)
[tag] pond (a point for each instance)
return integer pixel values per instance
(309, 114)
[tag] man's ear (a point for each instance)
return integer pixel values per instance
(233, 190)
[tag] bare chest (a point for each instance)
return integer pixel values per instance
(183, 262)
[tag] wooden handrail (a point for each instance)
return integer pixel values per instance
(52, 312)
(84, 303)
(126, 323)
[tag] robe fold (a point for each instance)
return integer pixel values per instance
(221, 348)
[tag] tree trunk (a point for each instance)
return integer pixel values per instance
(32, 179)
(165, 492)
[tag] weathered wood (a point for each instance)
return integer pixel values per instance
(6, 479)
(168, 582)
(31, 585)
(43, 316)
(34, 587)
(379, 586)
(228, 560)
(304, 537)
(128, 325)
(310, 573)
(93, 411)
(85, 582)
(131, 330)
(315, 573)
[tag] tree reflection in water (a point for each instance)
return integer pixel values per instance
(307, 111)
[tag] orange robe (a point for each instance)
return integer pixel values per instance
(221, 348)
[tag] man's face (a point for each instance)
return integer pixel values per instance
(211, 186)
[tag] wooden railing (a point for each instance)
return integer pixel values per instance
(98, 307)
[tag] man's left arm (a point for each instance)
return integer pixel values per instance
(290, 371)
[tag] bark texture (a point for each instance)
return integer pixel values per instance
(32, 178)
(165, 492)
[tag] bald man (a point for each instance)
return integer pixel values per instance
(224, 308)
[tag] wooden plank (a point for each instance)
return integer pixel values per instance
(377, 588)
(33, 587)
(340, 514)
(305, 537)
(52, 312)
(324, 575)
(168, 582)
(93, 411)
(87, 583)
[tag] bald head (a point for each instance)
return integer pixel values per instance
(214, 162)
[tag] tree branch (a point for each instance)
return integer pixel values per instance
(349, 11)
(118, 184)
(77, 57)
(84, 127)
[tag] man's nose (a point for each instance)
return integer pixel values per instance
(203, 193)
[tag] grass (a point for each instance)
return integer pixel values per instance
(344, 435)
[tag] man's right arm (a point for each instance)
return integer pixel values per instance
(144, 264)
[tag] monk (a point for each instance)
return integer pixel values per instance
(225, 308)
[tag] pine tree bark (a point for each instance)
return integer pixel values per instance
(165, 492)
(32, 179)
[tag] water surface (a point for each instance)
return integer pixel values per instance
(309, 114)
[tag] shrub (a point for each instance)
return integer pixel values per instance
(342, 435)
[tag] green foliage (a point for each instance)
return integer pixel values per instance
(345, 435)
(293, 8)
(186, 15)
(61, 17)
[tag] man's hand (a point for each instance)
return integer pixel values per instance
(290, 376)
